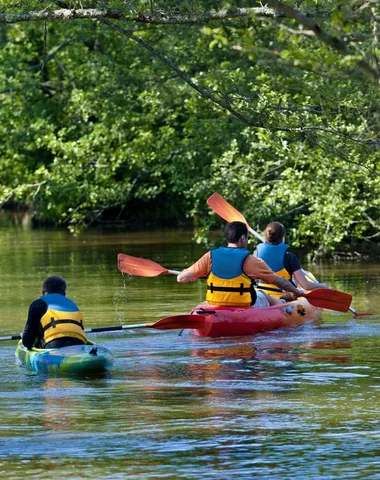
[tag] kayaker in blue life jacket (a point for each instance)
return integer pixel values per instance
(274, 252)
(230, 272)
(54, 321)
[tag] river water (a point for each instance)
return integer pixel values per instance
(292, 404)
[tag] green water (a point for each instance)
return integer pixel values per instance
(296, 404)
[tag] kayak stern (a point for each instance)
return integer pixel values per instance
(72, 360)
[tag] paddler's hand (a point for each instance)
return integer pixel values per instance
(299, 293)
(290, 296)
(186, 276)
(287, 297)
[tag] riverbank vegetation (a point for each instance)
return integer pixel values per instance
(136, 113)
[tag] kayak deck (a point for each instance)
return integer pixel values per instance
(237, 321)
(75, 359)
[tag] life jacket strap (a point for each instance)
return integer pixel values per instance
(270, 289)
(53, 323)
(240, 289)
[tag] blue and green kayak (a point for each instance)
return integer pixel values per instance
(73, 360)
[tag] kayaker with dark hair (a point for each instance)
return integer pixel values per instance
(54, 321)
(274, 252)
(231, 271)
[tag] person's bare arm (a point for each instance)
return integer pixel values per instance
(199, 269)
(304, 283)
(186, 276)
(256, 268)
(286, 286)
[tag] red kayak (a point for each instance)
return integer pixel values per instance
(237, 321)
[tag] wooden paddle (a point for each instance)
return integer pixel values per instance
(167, 323)
(141, 267)
(230, 214)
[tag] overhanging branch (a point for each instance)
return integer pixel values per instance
(226, 105)
(164, 17)
(333, 42)
(63, 14)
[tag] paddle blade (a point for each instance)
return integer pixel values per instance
(178, 321)
(358, 315)
(140, 267)
(225, 210)
(329, 299)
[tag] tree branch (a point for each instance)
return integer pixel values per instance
(210, 96)
(333, 42)
(53, 52)
(161, 17)
(226, 105)
(168, 17)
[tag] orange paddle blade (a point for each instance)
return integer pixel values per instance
(225, 209)
(139, 267)
(178, 321)
(330, 299)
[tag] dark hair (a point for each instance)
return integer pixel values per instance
(54, 284)
(235, 230)
(274, 233)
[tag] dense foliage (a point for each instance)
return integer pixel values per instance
(137, 120)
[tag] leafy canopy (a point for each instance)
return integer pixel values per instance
(142, 111)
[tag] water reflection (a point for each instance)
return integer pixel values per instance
(58, 395)
(185, 407)
(310, 351)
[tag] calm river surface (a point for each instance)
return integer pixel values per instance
(296, 404)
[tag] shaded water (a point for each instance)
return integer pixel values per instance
(301, 403)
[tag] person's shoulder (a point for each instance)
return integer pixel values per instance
(38, 302)
(291, 255)
(206, 256)
(253, 260)
(291, 261)
(38, 305)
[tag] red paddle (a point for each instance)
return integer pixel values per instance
(323, 298)
(177, 321)
(167, 323)
(357, 315)
(329, 298)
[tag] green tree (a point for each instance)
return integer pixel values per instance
(142, 112)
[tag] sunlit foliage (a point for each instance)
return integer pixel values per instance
(143, 120)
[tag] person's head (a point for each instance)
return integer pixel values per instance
(54, 284)
(274, 233)
(237, 232)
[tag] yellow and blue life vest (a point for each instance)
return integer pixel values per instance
(62, 318)
(273, 256)
(227, 283)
